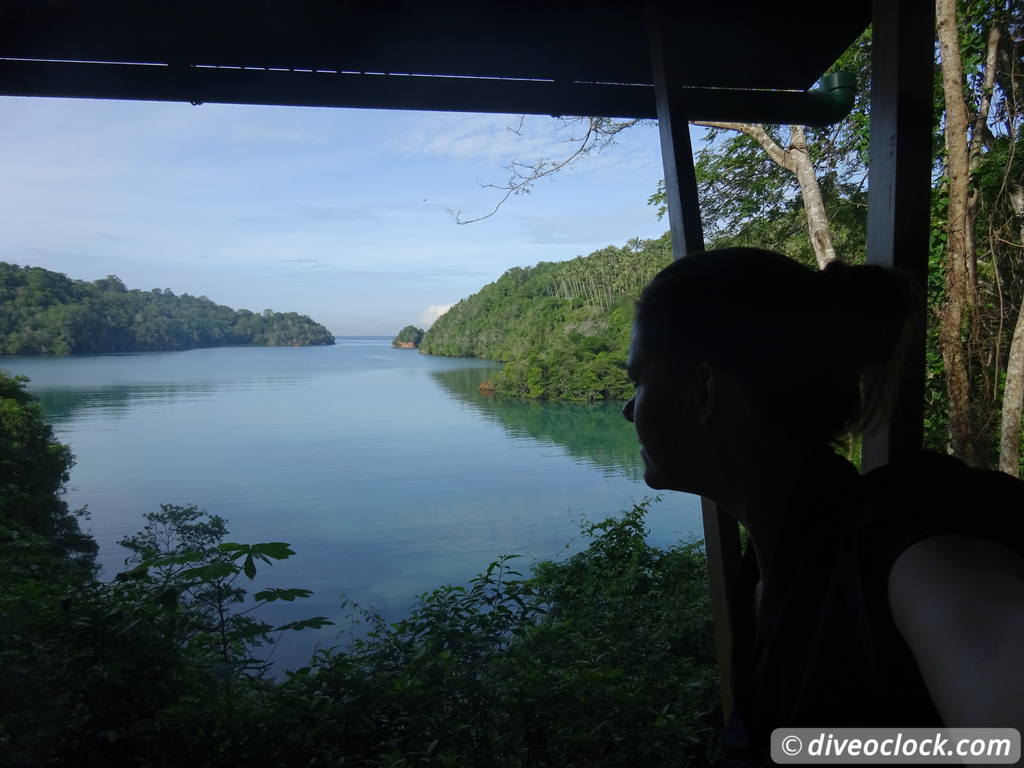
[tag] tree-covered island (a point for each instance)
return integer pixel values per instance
(562, 329)
(47, 313)
(408, 338)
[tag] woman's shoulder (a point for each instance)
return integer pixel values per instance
(939, 471)
(930, 494)
(945, 481)
(944, 546)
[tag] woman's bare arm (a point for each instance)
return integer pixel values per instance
(958, 601)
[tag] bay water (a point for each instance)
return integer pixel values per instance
(387, 471)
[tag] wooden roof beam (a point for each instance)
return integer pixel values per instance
(200, 84)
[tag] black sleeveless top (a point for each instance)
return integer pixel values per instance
(825, 651)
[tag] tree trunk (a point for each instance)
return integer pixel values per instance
(810, 191)
(1013, 391)
(797, 160)
(953, 313)
(980, 139)
(1013, 401)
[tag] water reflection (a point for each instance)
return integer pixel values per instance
(388, 471)
(594, 433)
(62, 406)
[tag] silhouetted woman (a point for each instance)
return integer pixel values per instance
(891, 599)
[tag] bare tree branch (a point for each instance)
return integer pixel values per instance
(598, 134)
(982, 136)
(758, 134)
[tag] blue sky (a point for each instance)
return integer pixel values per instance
(338, 214)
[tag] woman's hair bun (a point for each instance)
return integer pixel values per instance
(872, 310)
(869, 306)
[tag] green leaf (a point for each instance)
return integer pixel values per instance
(168, 599)
(138, 572)
(269, 595)
(210, 572)
(253, 630)
(178, 559)
(249, 567)
(314, 623)
(278, 550)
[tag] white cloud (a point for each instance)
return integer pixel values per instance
(431, 313)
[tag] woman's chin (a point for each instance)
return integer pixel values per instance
(656, 480)
(660, 482)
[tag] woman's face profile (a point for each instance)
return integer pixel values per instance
(666, 417)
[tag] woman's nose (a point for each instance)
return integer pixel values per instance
(627, 409)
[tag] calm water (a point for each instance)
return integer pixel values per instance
(386, 470)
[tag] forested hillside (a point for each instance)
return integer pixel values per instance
(44, 312)
(561, 328)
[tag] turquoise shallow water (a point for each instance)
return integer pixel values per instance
(386, 470)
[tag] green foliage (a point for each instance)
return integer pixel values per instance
(43, 312)
(561, 328)
(34, 468)
(603, 659)
(103, 673)
(1000, 288)
(410, 335)
(179, 558)
(747, 199)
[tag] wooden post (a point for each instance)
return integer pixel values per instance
(721, 533)
(899, 191)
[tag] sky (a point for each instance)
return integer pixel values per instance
(340, 214)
